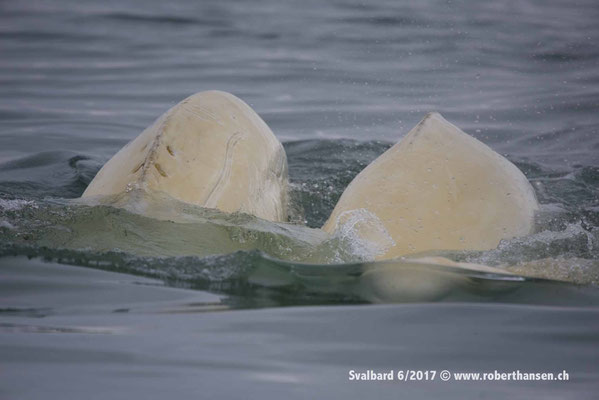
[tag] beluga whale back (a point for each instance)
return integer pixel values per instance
(210, 150)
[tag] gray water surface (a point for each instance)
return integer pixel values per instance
(133, 338)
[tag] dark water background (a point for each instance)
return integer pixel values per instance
(338, 82)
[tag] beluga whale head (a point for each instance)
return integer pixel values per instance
(440, 189)
(210, 150)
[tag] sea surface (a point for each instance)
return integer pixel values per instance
(99, 302)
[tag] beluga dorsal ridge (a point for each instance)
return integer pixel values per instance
(440, 189)
(210, 150)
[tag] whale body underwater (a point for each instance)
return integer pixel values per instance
(437, 189)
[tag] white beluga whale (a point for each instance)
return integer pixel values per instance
(437, 189)
(210, 150)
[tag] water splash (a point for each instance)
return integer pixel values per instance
(363, 233)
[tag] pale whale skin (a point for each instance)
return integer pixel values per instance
(439, 189)
(210, 150)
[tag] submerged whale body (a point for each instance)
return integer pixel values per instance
(210, 150)
(438, 189)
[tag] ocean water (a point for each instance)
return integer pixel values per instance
(99, 302)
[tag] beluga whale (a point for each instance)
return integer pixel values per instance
(437, 189)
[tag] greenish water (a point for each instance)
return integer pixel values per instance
(188, 244)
